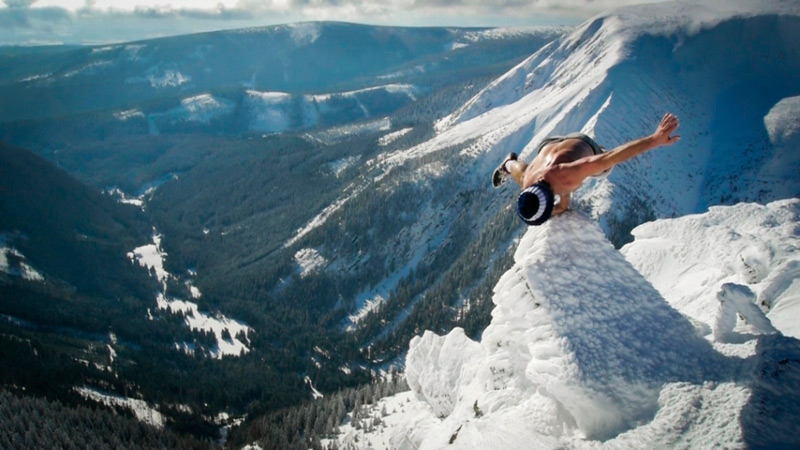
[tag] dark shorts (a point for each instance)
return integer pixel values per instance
(596, 148)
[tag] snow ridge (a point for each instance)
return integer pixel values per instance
(617, 74)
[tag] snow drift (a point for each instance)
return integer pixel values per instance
(583, 351)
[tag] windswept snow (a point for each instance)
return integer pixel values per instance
(274, 112)
(305, 33)
(340, 165)
(338, 134)
(128, 114)
(690, 259)
(167, 78)
(583, 352)
(201, 108)
(270, 110)
(91, 68)
(510, 32)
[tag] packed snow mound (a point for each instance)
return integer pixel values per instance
(583, 352)
(691, 259)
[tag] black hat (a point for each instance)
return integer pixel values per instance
(535, 203)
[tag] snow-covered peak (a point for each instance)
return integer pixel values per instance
(608, 39)
(728, 70)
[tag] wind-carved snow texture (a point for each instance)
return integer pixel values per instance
(689, 259)
(576, 324)
(735, 299)
(583, 352)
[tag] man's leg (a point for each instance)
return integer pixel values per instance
(503, 171)
(517, 170)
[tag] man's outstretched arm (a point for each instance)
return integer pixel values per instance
(579, 170)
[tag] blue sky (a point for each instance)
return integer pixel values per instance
(31, 22)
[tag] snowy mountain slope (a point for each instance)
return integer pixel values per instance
(727, 69)
(583, 352)
(613, 77)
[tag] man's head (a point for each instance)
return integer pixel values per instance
(535, 203)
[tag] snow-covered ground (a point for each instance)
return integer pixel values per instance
(141, 409)
(377, 423)
(338, 134)
(152, 257)
(340, 165)
(229, 333)
(393, 136)
(270, 111)
(583, 351)
(273, 112)
(13, 263)
(201, 108)
(308, 260)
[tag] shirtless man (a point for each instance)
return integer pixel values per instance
(562, 163)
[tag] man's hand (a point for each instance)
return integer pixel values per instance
(667, 126)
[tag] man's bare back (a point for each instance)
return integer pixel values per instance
(565, 151)
(560, 167)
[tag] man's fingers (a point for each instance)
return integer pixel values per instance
(670, 121)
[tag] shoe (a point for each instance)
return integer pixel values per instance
(500, 174)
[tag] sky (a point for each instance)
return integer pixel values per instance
(39, 22)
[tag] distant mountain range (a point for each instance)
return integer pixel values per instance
(305, 58)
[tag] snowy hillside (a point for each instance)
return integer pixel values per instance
(728, 69)
(583, 352)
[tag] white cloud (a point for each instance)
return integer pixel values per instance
(96, 21)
